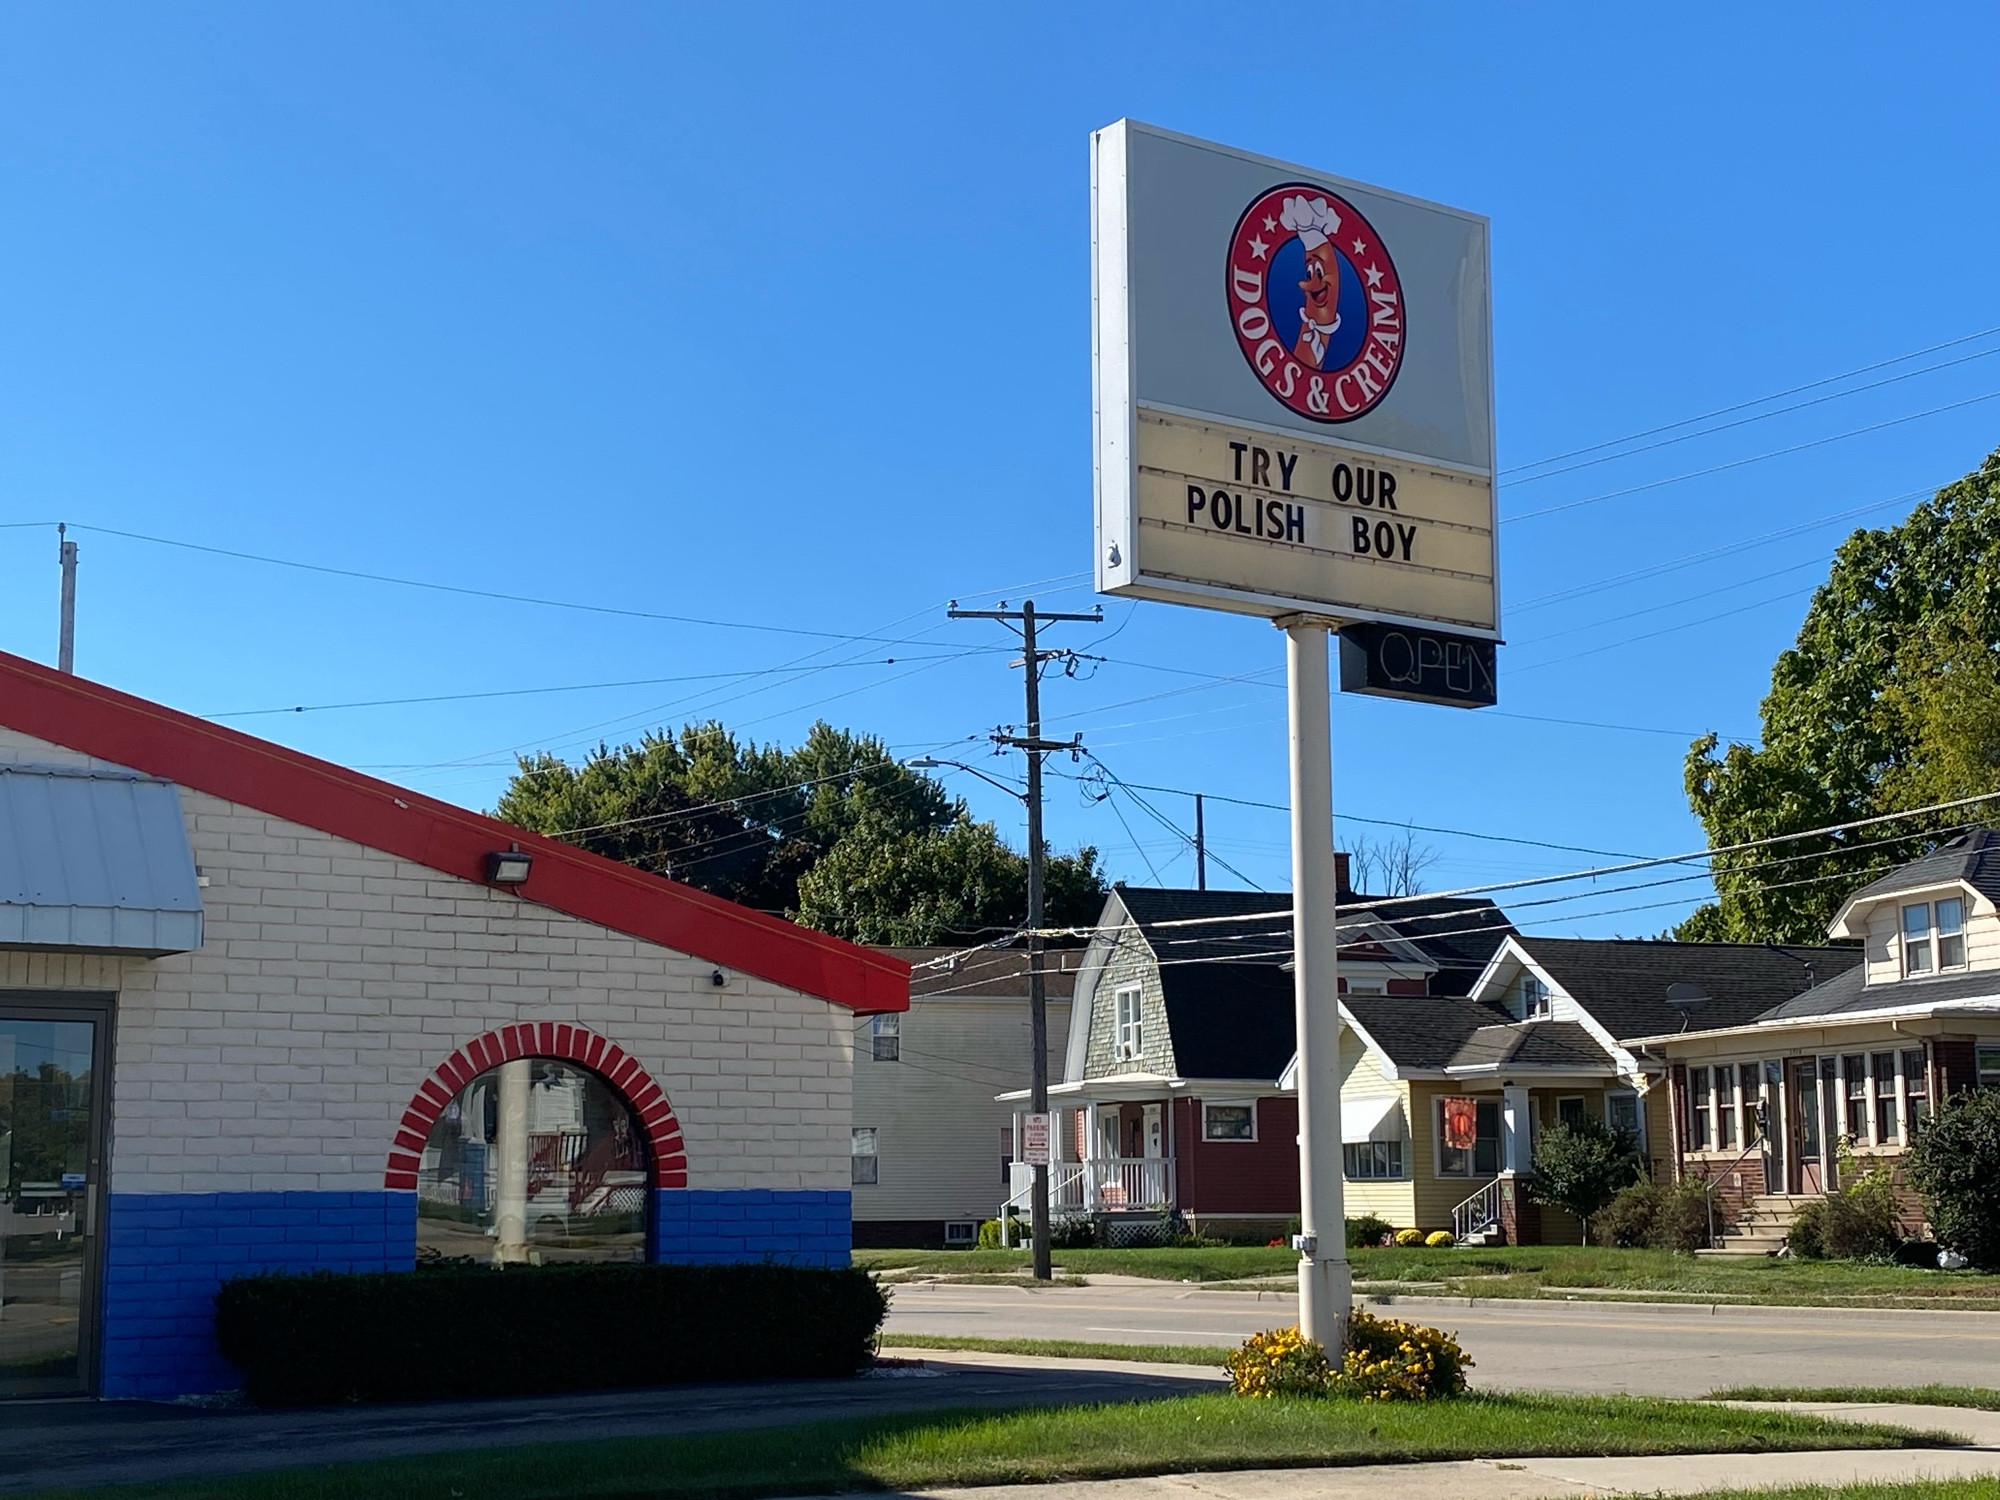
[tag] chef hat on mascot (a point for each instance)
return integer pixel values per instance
(1311, 219)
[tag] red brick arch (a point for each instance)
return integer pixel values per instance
(552, 1039)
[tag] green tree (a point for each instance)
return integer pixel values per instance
(834, 833)
(1954, 1164)
(1581, 1165)
(1888, 699)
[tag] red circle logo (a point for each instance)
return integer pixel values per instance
(1315, 302)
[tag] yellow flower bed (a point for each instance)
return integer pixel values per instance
(1385, 1360)
(1279, 1362)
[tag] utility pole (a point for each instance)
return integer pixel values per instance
(66, 634)
(1200, 848)
(1025, 619)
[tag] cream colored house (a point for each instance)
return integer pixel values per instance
(931, 1147)
(1762, 1108)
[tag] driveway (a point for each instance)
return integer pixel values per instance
(1645, 1348)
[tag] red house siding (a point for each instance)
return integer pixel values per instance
(1238, 1177)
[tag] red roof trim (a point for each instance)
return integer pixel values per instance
(160, 741)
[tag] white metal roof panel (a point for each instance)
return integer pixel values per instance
(95, 859)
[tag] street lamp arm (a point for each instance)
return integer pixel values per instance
(931, 763)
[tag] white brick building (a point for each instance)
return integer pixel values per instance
(264, 1048)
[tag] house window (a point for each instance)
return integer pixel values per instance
(1570, 1111)
(1988, 1059)
(1934, 936)
(887, 1034)
(1460, 1154)
(861, 1154)
(1855, 1070)
(1006, 1156)
(1536, 1003)
(1746, 1099)
(1882, 1068)
(1129, 1037)
(1700, 1129)
(1621, 1112)
(1725, 1106)
(1915, 1090)
(1229, 1122)
(1373, 1161)
(1950, 933)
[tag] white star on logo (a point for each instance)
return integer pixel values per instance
(1360, 248)
(1270, 225)
(1374, 274)
(1258, 249)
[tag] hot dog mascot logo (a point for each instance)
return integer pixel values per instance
(1315, 302)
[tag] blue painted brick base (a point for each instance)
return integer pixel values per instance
(166, 1254)
(699, 1226)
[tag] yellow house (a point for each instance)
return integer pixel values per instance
(1443, 1098)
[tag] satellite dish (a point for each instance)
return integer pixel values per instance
(1684, 997)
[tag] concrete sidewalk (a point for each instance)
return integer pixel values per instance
(1555, 1478)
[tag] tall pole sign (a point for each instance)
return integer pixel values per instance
(1294, 419)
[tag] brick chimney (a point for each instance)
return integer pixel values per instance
(1343, 886)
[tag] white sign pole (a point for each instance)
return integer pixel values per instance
(1326, 1287)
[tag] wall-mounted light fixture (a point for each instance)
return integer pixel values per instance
(508, 866)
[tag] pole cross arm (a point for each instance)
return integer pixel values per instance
(1042, 617)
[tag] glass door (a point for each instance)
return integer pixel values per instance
(1806, 1174)
(51, 1129)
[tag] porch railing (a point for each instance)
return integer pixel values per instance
(1104, 1185)
(1480, 1211)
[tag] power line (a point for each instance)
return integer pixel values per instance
(1378, 903)
(1688, 437)
(464, 591)
(1498, 838)
(1755, 458)
(574, 687)
(1757, 401)
(1562, 596)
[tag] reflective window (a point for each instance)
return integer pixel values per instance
(1229, 1122)
(46, 1101)
(861, 1148)
(1368, 1161)
(886, 1032)
(535, 1161)
(1951, 933)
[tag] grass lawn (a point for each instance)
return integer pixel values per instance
(1920, 1489)
(1163, 1354)
(1978, 1397)
(941, 1448)
(1514, 1271)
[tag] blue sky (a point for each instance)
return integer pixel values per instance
(778, 317)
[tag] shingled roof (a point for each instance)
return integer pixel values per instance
(1623, 983)
(1438, 1032)
(1848, 995)
(1971, 857)
(1452, 932)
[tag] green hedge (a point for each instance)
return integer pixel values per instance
(324, 1338)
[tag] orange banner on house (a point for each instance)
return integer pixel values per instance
(1461, 1123)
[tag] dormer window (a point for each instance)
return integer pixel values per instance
(1129, 1038)
(1933, 936)
(1536, 1002)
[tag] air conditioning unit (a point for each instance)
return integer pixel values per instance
(962, 1235)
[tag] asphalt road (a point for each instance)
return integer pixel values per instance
(1648, 1349)
(121, 1442)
